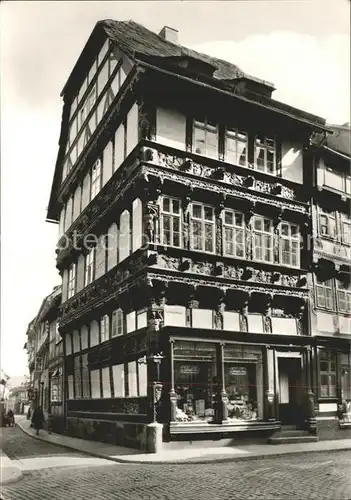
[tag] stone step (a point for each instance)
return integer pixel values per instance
(291, 433)
(292, 439)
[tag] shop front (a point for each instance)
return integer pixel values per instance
(224, 386)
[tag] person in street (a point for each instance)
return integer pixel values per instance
(10, 418)
(38, 419)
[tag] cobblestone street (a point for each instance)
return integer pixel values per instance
(313, 476)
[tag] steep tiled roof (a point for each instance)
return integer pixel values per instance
(134, 39)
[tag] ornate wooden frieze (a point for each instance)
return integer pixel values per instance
(228, 271)
(222, 189)
(332, 249)
(101, 291)
(112, 194)
(228, 285)
(223, 174)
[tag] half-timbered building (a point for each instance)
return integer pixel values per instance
(331, 301)
(184, 219)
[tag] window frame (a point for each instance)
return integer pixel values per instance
(117, 319)
(104, 328)
(291, 239)
(262, 233)
(321, 286)
(207, 127)
(172, 217)
(96, 179)
(341, 290)
(262, 141)
(90, 266)
(72, 280)
(204, 222)
(234, 134)
(331, 220)
(235, 228)
(328, 357)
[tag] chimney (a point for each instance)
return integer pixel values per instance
(169, 34)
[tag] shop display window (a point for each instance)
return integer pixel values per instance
(195, 380)
(243, 375)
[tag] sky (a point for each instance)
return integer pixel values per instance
(302, 46)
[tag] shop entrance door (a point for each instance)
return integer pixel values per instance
(289, 377)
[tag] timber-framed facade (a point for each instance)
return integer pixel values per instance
(183, 195)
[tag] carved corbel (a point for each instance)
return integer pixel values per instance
(185, 264)
(277, 189)
(248, 273)
(193, 302)
(218, 173)
(219, 310)
(249, 181)
(186, 165)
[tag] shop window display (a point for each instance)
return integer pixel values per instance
(195, 380)
(243, 375)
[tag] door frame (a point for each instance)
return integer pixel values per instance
(290, 355)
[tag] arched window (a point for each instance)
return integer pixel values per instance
(124, 235)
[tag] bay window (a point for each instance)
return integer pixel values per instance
(234, 234)
(327, 369)
(325, 294)
(205, 139)
(289, 244)
(171, 222)
(262, 239)
(236, 146)
(202, 228)
(71, 280)
(89, 266)
(265, 154)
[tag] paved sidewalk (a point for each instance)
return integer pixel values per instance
(185, 455)
(9, 471)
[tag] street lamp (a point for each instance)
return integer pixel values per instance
(42, 394)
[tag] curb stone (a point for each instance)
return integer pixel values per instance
(185, 461)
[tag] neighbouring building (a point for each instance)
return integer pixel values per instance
(182, 191)
(18, 399)
(45, 360)
(331, 314)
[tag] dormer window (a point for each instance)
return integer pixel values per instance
(265, 155)
(205, 139)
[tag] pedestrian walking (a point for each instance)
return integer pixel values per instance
(38, 419)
